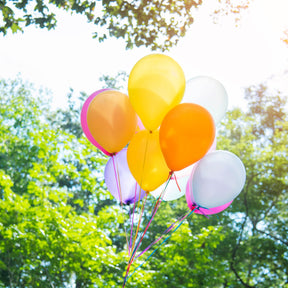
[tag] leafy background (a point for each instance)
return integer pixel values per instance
(60, 227)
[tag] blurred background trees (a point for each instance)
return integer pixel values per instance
(60, 227)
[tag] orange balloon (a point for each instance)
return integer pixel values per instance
(186, 134)
(111, 120)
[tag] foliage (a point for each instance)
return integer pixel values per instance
(246, 245)
(49, 232)
(259, 137)
(155, 24)
(119, 81)
(227, 7)
(59, 227)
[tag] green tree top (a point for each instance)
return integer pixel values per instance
(154, 23)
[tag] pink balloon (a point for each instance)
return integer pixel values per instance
(191, 202)
(140, 125)
(84, 121)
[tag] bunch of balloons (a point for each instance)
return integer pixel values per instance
(168, 139)
(152, 137)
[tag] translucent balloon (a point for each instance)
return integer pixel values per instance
(146, 161)
(84, 121)
(218, 178)
(119, 180)
(156, 84)
(177, 185)
(111, 120)
(175, 189)
(209, 93)
(186, 134)
(191, 201)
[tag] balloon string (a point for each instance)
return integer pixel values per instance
(159, 200)
(138, 226)
(202, 212)
(182, 221)
(131, 257)
(206, 214)
(163, 234)
(117, 177)
(140, 184)
(132, 220)
(139, 198)
(126, 233)
(131, 223)
(177, 182)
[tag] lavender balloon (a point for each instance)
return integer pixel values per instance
(120, 181)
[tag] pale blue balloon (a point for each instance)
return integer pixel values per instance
(218, 179)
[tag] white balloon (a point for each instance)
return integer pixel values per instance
(218, 178)
(209, 93)
(172, 191)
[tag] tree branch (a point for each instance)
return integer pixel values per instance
(272, 236)
(240, 238)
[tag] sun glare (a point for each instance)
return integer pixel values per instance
(272, 15)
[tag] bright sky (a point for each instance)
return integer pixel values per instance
(238, 57)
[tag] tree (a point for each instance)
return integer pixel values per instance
(257, 255)
(155, 24)
(59, 225)
(245, 245)
(49, 234)
(228, 7)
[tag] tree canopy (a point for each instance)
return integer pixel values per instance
(60, 227)
(155, 24)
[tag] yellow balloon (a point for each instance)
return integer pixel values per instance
(111, 120)
(146, 161)
(156, 84)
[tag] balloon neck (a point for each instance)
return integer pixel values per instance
(129, 201)
(170, 175)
